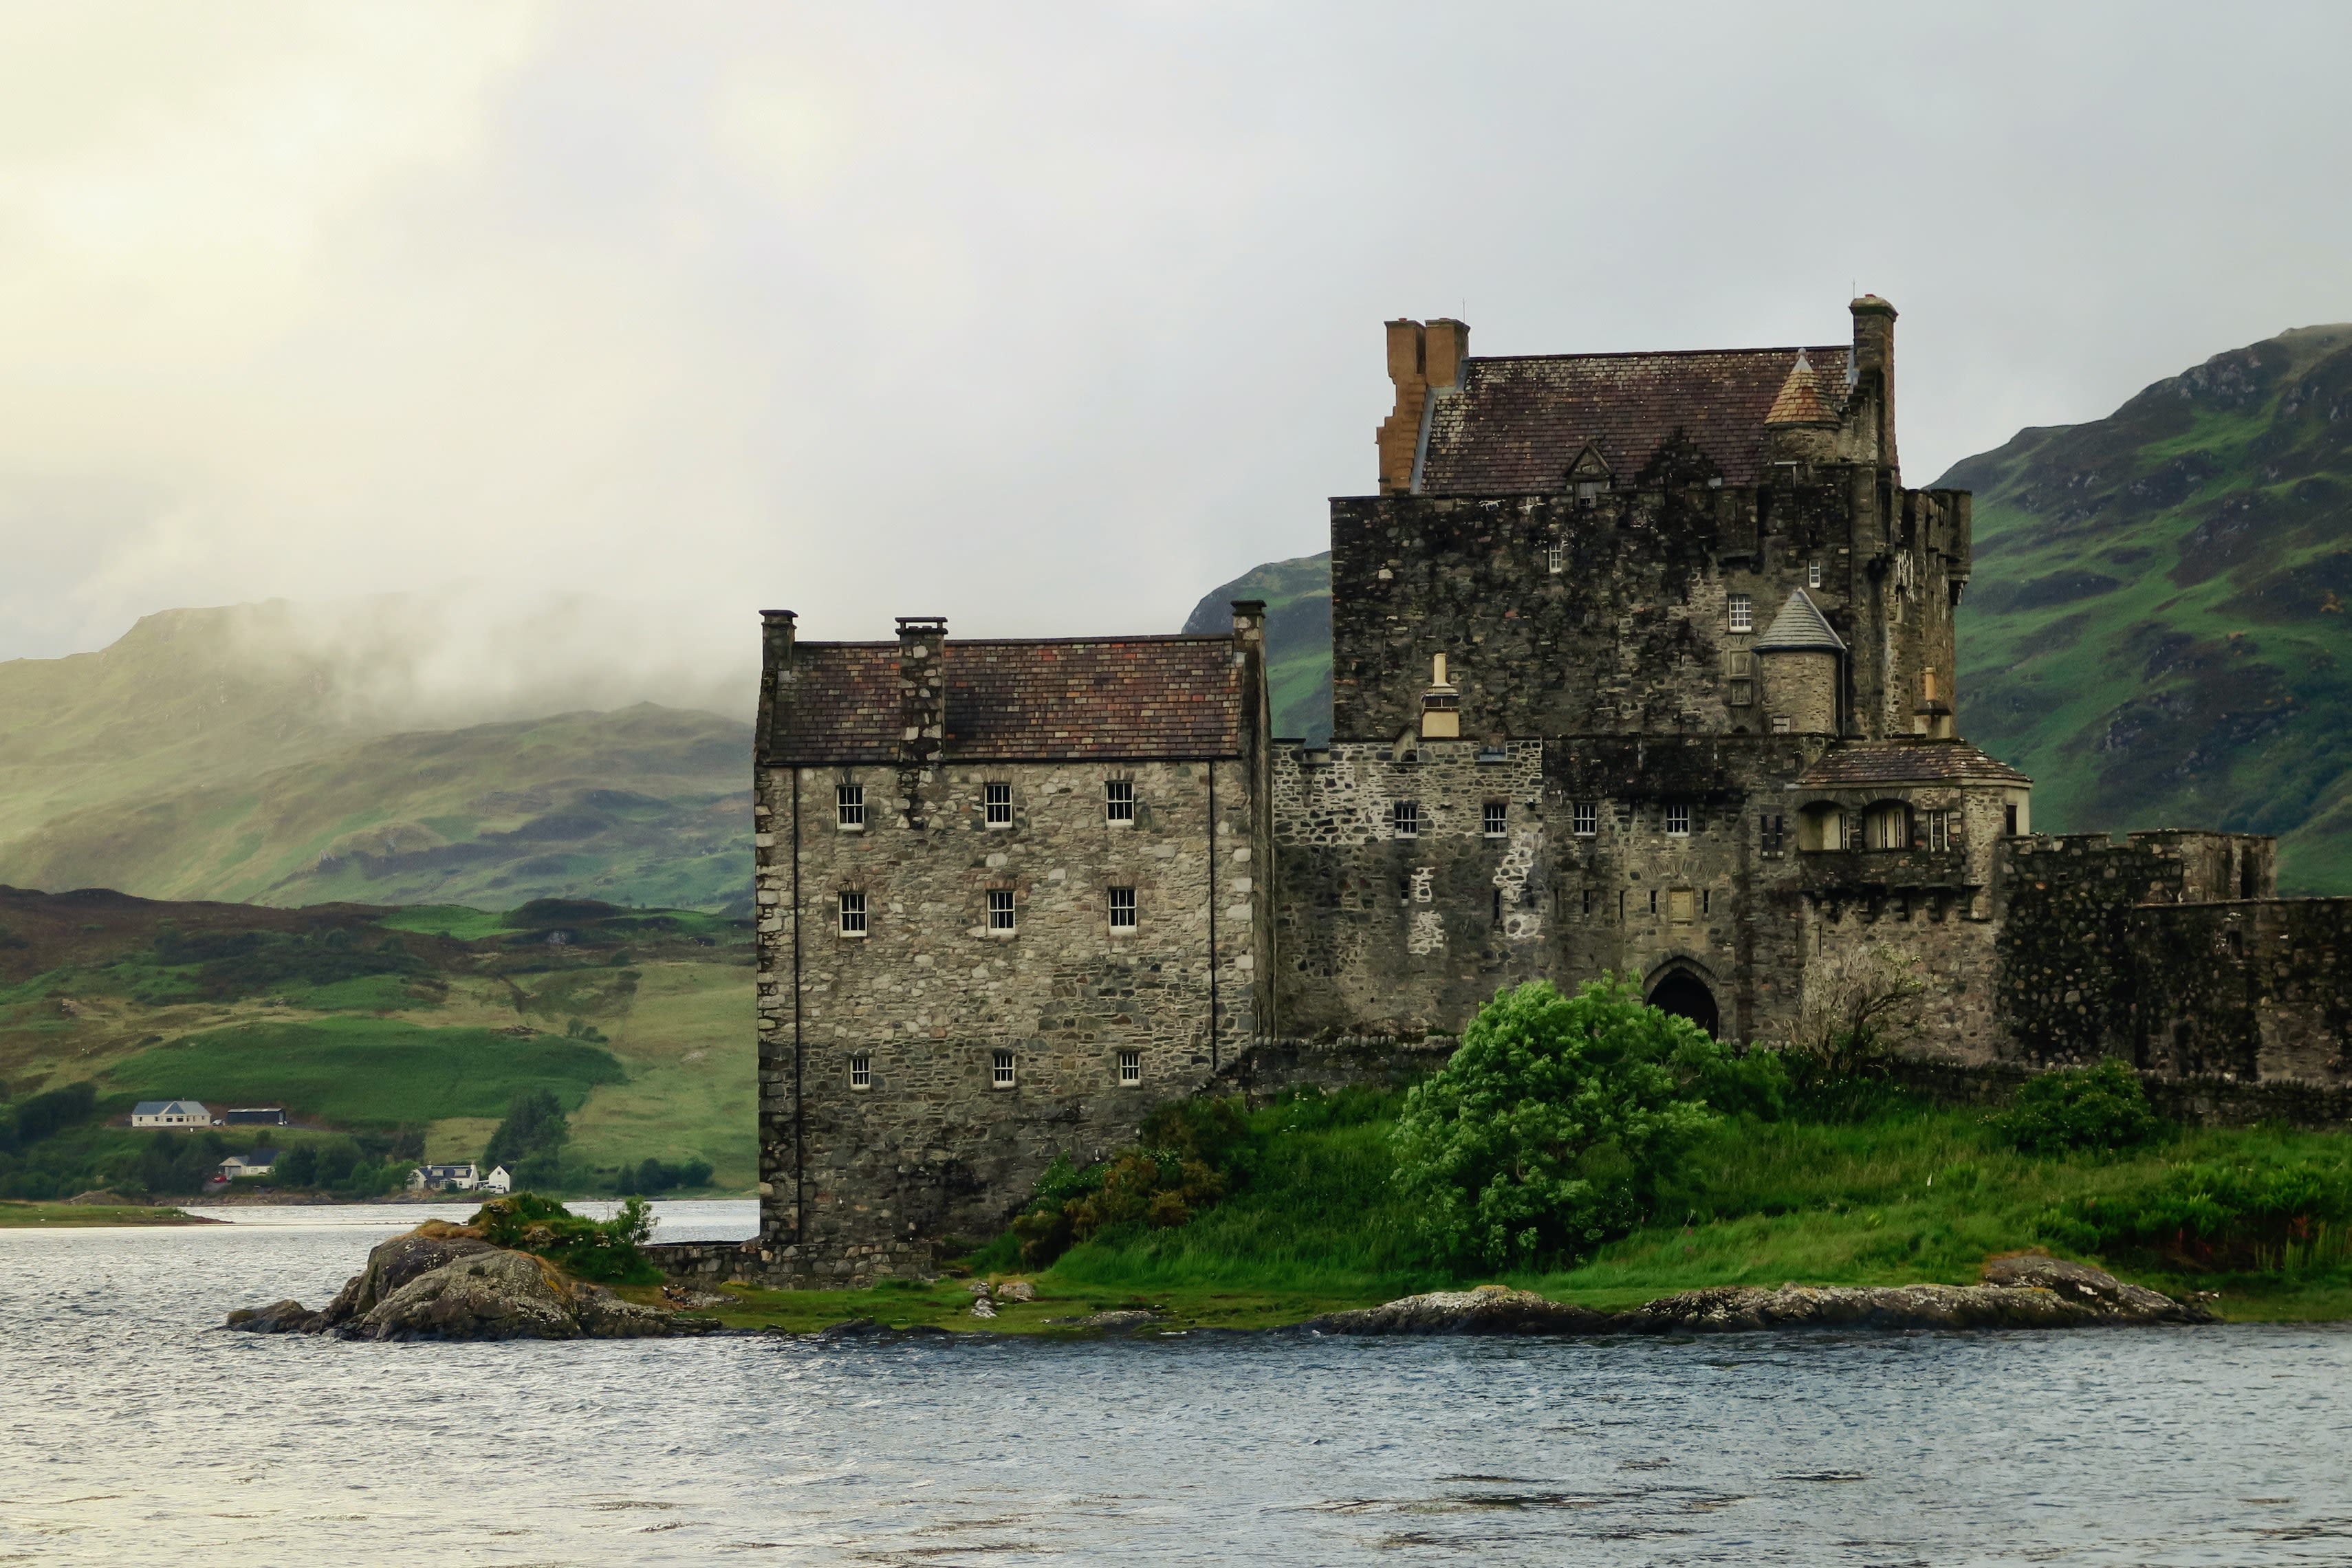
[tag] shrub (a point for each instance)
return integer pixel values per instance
(1177, 1170)
(2102, 1108)
(660, 1176)
(589, 1249)
(2228, 1215)
(1547, 1131)
(49, 1112)
(535, 1127)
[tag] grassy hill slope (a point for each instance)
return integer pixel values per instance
(413, 1028)
(1298, 595)
(2157, 630)
(205, 756)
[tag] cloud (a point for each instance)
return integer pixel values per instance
(1043, 318)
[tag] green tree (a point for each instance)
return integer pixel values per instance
(529, 1142)
(2103, 1108)
(1547, 1131)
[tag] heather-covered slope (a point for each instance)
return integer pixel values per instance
(2157, 630)
(1298, 595)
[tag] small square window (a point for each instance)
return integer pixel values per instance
(1678, 822)
(1122, 909)
(1130, 1068)
(1497, 819)
(1000, 1069)
(1119, 800)
(1406, 818)
(1812, 574)
(1000, 908)
(849, 805)
(861, 1071)
(997, 803)
(1584, 818)
(1743, 613)
(853, 915)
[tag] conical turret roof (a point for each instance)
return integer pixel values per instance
(1799, 627)
(1800, 399)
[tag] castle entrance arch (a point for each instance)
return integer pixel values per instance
(1685, 995)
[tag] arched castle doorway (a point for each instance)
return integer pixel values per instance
(1685, 995)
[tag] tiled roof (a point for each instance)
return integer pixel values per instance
(1799, 627)
(1165, 697)
(1515, 423)
(1909, 762)
(1800, 399)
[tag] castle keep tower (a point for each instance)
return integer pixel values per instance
(1010, 897)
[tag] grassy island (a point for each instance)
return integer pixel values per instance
(15, 1216)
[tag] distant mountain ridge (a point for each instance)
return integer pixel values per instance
(206, 754)
(2160, 625)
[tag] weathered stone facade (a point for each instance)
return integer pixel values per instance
(1642, 663)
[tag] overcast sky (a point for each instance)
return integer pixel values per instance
(1048, 319)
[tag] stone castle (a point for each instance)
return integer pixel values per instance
(1642, 663)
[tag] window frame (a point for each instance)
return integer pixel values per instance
(1739, 613)
(1495, 819)
(995, 797)
(1114, 906)
(849, 807)
(1678, 821)
(1003, 1070)
(1404, 819)
(1584, 819)
(1130, 1069)
(1556, 557)
(1812, 574)
(1002, 904)
(861, 1070)
(1119, 801)
(852, 913)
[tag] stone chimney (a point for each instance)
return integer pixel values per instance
(1249, 626)
(1425, 362)
(776, 630)
(1441, 705)
(1874, 358)
(923, 688)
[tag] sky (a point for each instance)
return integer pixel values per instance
(1048, 319)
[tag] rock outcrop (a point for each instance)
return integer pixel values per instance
(443, 1281)
(2020, 1292)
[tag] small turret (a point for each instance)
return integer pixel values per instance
(1801, 657)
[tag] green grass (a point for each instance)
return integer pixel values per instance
(366, 1072)
(16, 1216)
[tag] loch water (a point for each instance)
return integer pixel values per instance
(132, 1431)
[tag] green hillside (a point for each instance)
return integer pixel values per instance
(1298, 595)
(2157, 628)
(203, 756)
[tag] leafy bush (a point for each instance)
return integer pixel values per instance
(2102, 1108)
(2233, 1215)
(1547, 1131)
(604, 1250)
(1178, 1170)
(660, 1176)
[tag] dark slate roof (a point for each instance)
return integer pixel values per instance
(1907, 762)
(1799, 627)
(1152, 697)
(1516, 424)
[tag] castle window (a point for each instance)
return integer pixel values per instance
(1705, 900)
(849, 805)
(1000, 910)
(1584, 818)
(861, 1071)
(1000, 1069)
(1888, 825)
(1405, 818)
(1497, 821)
(1771, 824)
(1122, 909)
(1556, 557)
(1743, 613)
(1653, 900)
(853, 915)
(1678, 822)
(1588, 903)
(1940, 830)
(1119, 800)
(997, 803)
(2009, 819)
(1130, 1069)
(1781, 725)
(1812, 574)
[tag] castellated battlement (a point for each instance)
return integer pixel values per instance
(1641, 664)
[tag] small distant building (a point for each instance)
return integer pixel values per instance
(256, 1116)
(462, 1178)
(260, 1162)
(499, 1180)
(170, 1113)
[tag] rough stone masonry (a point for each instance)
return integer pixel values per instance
(1641, 663)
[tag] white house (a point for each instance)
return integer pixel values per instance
(260, 1162)
(170, 1113)
(499, 1180)
(462, 1178)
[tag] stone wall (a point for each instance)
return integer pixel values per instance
(2258, 990)
(868, 1179)
(1630, 632)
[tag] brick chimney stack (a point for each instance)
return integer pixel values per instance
(923, 688)
(1874, 357)
(1423, 361)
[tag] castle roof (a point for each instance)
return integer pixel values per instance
(1799, 401)
(1799, 627)
(1031, 699)
(1515, 423)
(1907, 762)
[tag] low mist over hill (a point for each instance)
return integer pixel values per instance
(288, 754)
(2156, 629)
